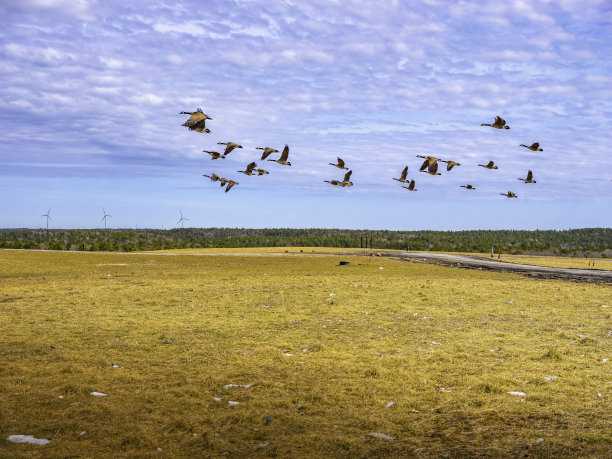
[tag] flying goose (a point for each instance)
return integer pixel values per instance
(535, 146)
(347, 179)
(432, 169)
(529, 178)
(333, 182)
(214, 154)
(509, 194)
(489, 165)
(267, 151)
(410, 187)
(261, 171)
(340, 164)
(499, 123)
(468, 187)
(230, 184)
(223, 181)
(450, 164)
(429, 161)
(197, 121)
(283, 157)
(403, 176)
(229, 146)
(213, 177)
(249, 169)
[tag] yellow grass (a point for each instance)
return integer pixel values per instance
(359, 338)
(555, 262)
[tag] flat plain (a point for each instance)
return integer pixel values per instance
(378, 358)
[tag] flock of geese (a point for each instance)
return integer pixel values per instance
(430, 165)
(197, 122)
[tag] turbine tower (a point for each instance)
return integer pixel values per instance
(182, 219)
(48, 217)
(104, 218)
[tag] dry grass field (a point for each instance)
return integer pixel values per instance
(557, 262)
(330, 355)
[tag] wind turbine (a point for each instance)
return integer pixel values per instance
(182, 219)
(48, 217)
(104, 218)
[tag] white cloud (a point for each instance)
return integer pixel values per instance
(331, 78)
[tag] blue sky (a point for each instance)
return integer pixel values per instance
(91, 93)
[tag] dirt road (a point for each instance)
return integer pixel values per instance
(469, 262)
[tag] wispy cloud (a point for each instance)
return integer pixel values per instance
(91, 87)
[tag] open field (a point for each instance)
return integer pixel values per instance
(324, 348)
(555, 262)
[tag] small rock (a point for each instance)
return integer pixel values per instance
(246, 386)
(599, 394)
(82, 433)
(27, 439)
(581, 336)
(604, 360)
(550, 378)
(262, 445)
(231, 403)
(540, 440)
(380, 436)
(514, 392)
(217, 399)
(115, 366)
(380, 267)
(390, 404)
(97, 394)
(442, 389)
(434, 343)
(509, 302)
(159, 450)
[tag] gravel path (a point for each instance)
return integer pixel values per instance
(466, 261)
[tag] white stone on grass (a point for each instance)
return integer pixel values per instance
(231, 403)
(514, 392)
(97, 394)
(390, 404)
(246, 386)
(27, 439)
(550, 378)
(380, 436)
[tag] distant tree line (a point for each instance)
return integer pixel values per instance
(582, 242)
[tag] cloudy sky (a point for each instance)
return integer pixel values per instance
(91, 93)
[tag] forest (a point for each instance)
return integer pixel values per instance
(591, 242)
